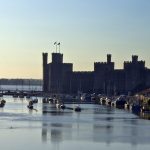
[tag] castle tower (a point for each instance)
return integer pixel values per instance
(108, 58)
(45, 72)
(134, 58)
(58, 77)
(101, 71)
(55, 73)
(134, 74)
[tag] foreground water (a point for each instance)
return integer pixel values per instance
(95, 127)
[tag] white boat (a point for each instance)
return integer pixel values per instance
(62, 106)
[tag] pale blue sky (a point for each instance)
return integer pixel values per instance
(87, 30)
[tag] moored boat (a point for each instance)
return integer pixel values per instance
(102, 100)
(136, 108)
(2, 103)
(35, 100)
(120, 102)
(77, 108)
(30, 106)
(108, 101)
(62, 106)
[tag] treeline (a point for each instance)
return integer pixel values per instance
(20, 82)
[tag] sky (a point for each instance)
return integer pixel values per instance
(88, 30)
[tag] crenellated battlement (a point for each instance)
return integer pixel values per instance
(100, 63)
(99, 66)
(131, 62)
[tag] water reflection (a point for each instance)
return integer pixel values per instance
(55, 132)
(145, 115)
(94, 127)
(96, 123)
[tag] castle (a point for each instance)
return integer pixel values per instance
(59, 77)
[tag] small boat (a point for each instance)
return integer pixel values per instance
(102, 100)
(35, 100)
(45, 100)
(62, 106)
(136, 108)
(58, 104)
(120, 102)
(50, 100)
(108, 101)
(77, 108)
(127, 105)
(30, 106)
(2, 103)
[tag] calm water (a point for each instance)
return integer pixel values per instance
(95, 127)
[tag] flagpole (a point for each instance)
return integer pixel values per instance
(59, 47)
(56, 46)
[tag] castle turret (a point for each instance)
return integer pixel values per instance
(45, 56)
(108, 58)
(101, 70)
(134, 58)
(45, 72)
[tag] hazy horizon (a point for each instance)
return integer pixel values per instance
(88, 30)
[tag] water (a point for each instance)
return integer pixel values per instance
(95, 127)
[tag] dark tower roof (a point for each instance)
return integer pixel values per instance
(57, 58)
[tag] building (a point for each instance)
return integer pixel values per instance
(55, 73)
(59, 77)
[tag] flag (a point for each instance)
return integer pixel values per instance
(55, 43)
(58, 43)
